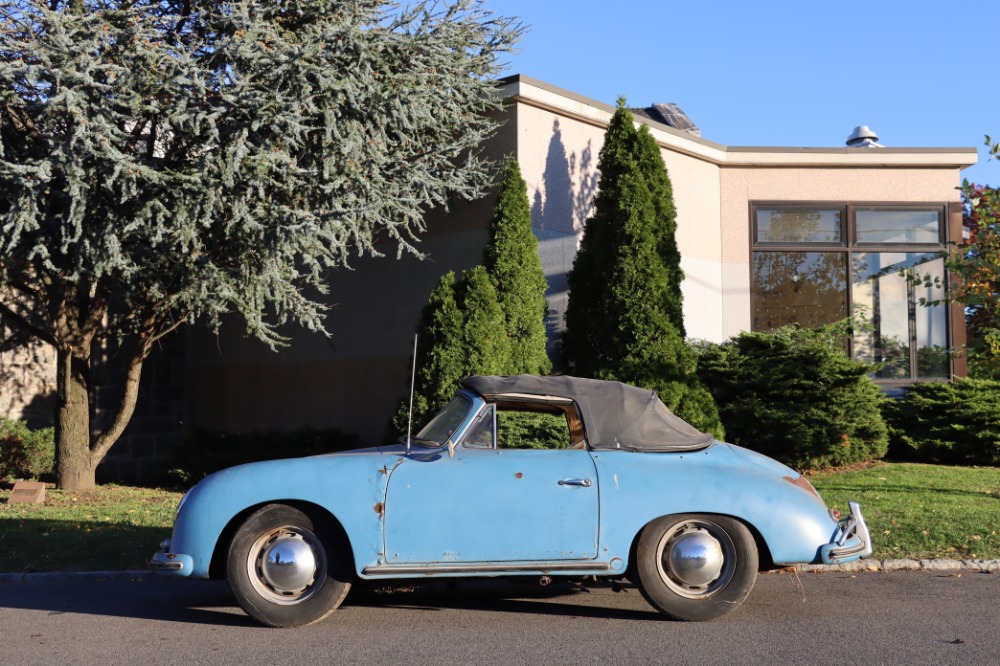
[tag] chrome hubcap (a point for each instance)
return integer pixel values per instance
(286, 565)
(696, 559)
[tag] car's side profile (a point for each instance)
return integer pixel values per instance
(517, 476)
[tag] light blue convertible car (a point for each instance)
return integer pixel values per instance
(517, 476)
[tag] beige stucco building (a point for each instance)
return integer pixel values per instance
(767, 235)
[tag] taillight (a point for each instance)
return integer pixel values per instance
(835, 515)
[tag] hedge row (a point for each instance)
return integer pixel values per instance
(956, 423)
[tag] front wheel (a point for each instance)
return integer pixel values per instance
(695, 567)
(287, 569)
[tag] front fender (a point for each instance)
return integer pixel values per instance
(350, 485)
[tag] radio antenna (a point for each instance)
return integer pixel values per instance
(413, 383)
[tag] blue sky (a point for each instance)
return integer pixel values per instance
(921, 73)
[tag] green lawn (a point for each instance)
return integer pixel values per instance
(914, 511)
(922, 511)
(113, 528)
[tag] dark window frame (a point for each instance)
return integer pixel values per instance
(950, 228)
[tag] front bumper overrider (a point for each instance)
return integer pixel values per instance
(170, 564)
(851, 541)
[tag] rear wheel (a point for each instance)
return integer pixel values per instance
(695, 567)
(288, 568)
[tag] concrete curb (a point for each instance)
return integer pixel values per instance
(980, 566)
(860, 566)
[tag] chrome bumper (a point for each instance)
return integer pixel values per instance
(170, 564)
(851, 541)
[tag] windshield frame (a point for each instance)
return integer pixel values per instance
(451, 418)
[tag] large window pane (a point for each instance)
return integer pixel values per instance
(785, 225)
(883, 295)
(805, 288)
(880, 225)
(931, 321)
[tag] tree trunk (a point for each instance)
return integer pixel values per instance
(75, 466)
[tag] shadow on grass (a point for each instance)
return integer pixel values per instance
(915, 490)
(30, 545)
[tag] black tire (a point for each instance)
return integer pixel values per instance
(695, 567)
(287, 568)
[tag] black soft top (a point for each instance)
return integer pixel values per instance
(615, 415)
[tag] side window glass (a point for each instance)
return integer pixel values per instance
(480, 435)
(532, 430)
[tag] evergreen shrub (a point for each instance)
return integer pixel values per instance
(624, 318)
(793, 394)
(25, 453)
(491, 321)
(956, 423)
(534, 430)
(203, 451)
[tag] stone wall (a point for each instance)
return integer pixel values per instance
(27, 378)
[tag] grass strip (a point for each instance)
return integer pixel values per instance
(922, 511)
(112, 528)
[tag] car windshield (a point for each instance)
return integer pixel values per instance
(442, 426)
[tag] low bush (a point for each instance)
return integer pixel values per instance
(204, 451)
(531, 430)
(955, 423)
(25, 453)
(793, 394)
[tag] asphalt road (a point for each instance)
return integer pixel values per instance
(827, 618)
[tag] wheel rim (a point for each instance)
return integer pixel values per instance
(287, 565)
(696, 559)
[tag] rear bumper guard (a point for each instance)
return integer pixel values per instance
(851, 541)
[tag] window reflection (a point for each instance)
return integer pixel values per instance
(898, 226)
(842, 273)
(798, 226)
(805, 288)
(883, 293)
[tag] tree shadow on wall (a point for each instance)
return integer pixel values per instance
(559, 206)
(562, 203)
(27, 378)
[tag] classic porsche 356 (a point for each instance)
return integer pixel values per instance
(516, 476)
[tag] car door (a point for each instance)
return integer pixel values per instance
(492, 505)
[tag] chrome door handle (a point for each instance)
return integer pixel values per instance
(575, 482)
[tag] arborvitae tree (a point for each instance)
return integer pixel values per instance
(587, 314)
(441, 358)
(515, 269)
(484, 339)
(624, 319)
(164, 161)
(461, 333)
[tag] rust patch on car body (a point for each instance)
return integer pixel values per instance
(803, 484)
(379, 509)
(519, 476)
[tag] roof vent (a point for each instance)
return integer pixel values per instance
(863, 137)
(668, 114)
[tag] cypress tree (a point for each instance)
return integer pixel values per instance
(515, 269)
(441, 359)
(461, 333)
(484, 338)
(587, 315)
(624, 320)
